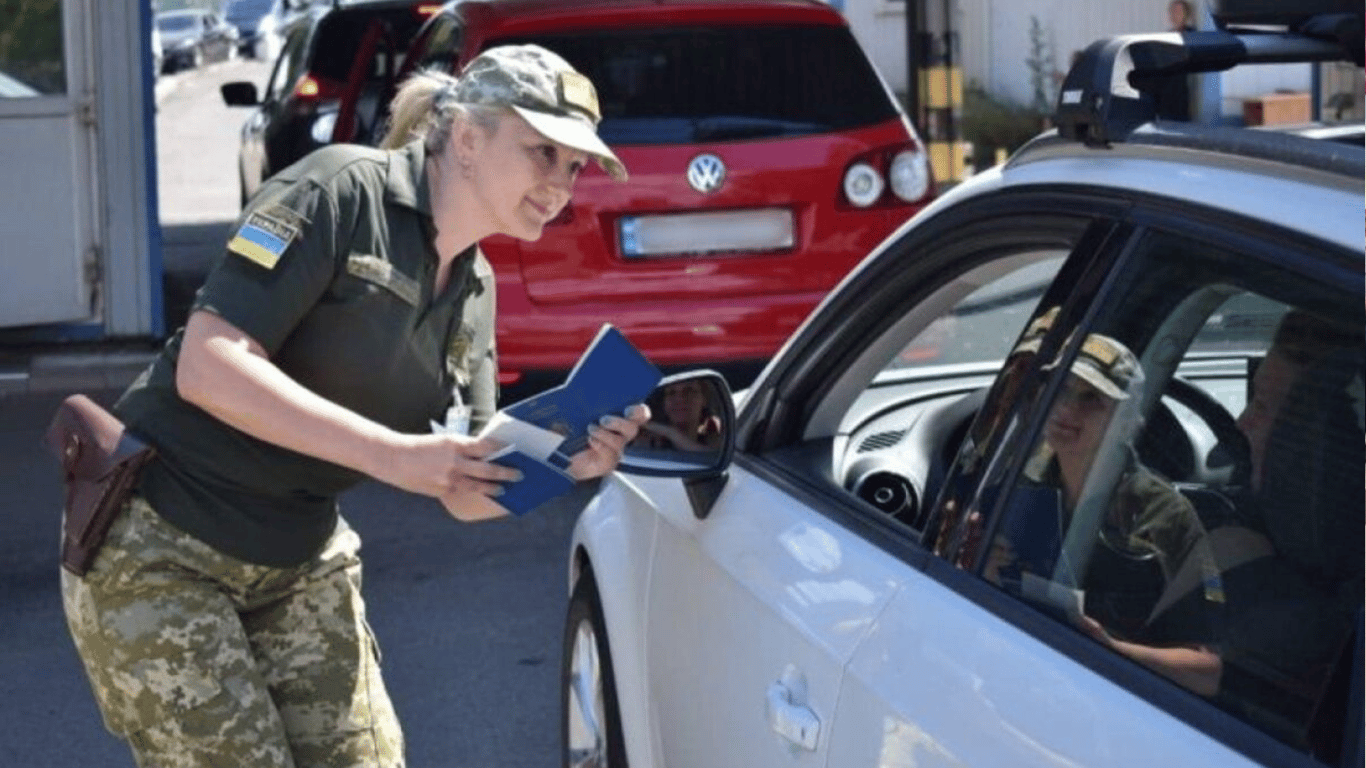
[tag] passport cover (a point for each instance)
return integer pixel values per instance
(540, 482)
(611, 376)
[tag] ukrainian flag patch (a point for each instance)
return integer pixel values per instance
(263, 239)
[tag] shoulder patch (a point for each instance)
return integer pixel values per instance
(263, 238)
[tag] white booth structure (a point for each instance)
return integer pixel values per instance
(79, 238)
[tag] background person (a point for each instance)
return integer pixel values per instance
(1289, 587)
(222, 623)
(1175, 93)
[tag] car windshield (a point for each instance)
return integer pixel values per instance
(697, 85)
(175, 23)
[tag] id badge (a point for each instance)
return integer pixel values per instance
(457, 420)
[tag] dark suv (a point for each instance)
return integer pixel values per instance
(766, 156)
(337, 65)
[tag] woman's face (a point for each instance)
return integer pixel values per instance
(683, 404)
(522, 178)
(1078, 419)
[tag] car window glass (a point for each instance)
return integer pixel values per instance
(692, 86)
(289, 66)
(908, 426)
(979, 327)
(1192, 498)
(441, 50)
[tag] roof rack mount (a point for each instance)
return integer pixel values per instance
(1111, 88)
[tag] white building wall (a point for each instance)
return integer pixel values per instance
(994, 42)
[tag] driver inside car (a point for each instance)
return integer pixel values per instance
(1147, 532)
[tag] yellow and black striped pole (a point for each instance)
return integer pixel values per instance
(935, 86)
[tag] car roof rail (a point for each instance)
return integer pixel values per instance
(1110, 89)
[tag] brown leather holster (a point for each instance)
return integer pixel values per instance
(100, 465)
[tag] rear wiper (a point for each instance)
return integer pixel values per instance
(734, 127)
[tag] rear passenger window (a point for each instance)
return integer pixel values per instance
(1193, 496)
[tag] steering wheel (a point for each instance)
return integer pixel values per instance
(1166, 446)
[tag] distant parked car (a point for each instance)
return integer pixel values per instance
(314, 81)
(766, 157)
(260, 25)
(192, 38)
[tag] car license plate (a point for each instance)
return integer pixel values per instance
(765, 229)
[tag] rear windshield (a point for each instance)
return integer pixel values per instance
(247, 9)
(176, 23)
(340, 34)
(697, 85)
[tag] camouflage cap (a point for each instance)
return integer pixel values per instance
(546, 91)
(1108, 366)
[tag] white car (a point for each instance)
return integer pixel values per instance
(834, 574)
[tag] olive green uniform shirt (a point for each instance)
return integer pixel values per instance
(332, 270)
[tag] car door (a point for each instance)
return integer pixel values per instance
(752, 615)
(755, 612)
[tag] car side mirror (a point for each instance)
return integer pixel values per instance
(239, 94)
(691, 431)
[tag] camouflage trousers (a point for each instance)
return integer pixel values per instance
(198, 659)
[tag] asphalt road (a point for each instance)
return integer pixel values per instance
(468, 616)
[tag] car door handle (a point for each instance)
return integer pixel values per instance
(790, 719)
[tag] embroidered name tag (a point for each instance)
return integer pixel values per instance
(263, 238)
(375, 270)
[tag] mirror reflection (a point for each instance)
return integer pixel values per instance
(688, 424)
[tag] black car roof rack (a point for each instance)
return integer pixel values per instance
(1111, 88)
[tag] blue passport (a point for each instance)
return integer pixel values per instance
(540, 482)
(611, 376)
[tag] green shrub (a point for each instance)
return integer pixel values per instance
(992, 122)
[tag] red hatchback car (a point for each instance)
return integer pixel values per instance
(766, 153)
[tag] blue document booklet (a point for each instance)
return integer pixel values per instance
(540, 481)
(545, 430)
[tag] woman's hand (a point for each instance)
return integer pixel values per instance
(606, 442)
(1001, 555)
(451, 468)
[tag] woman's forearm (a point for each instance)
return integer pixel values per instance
(1198, 669)
(226, 373)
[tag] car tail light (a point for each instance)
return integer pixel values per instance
(427, 9)
(307, 88)
(863, 185)
(310, 89)
(910, 175)
(890, 176)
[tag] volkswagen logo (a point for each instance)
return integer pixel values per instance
(705, 173)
